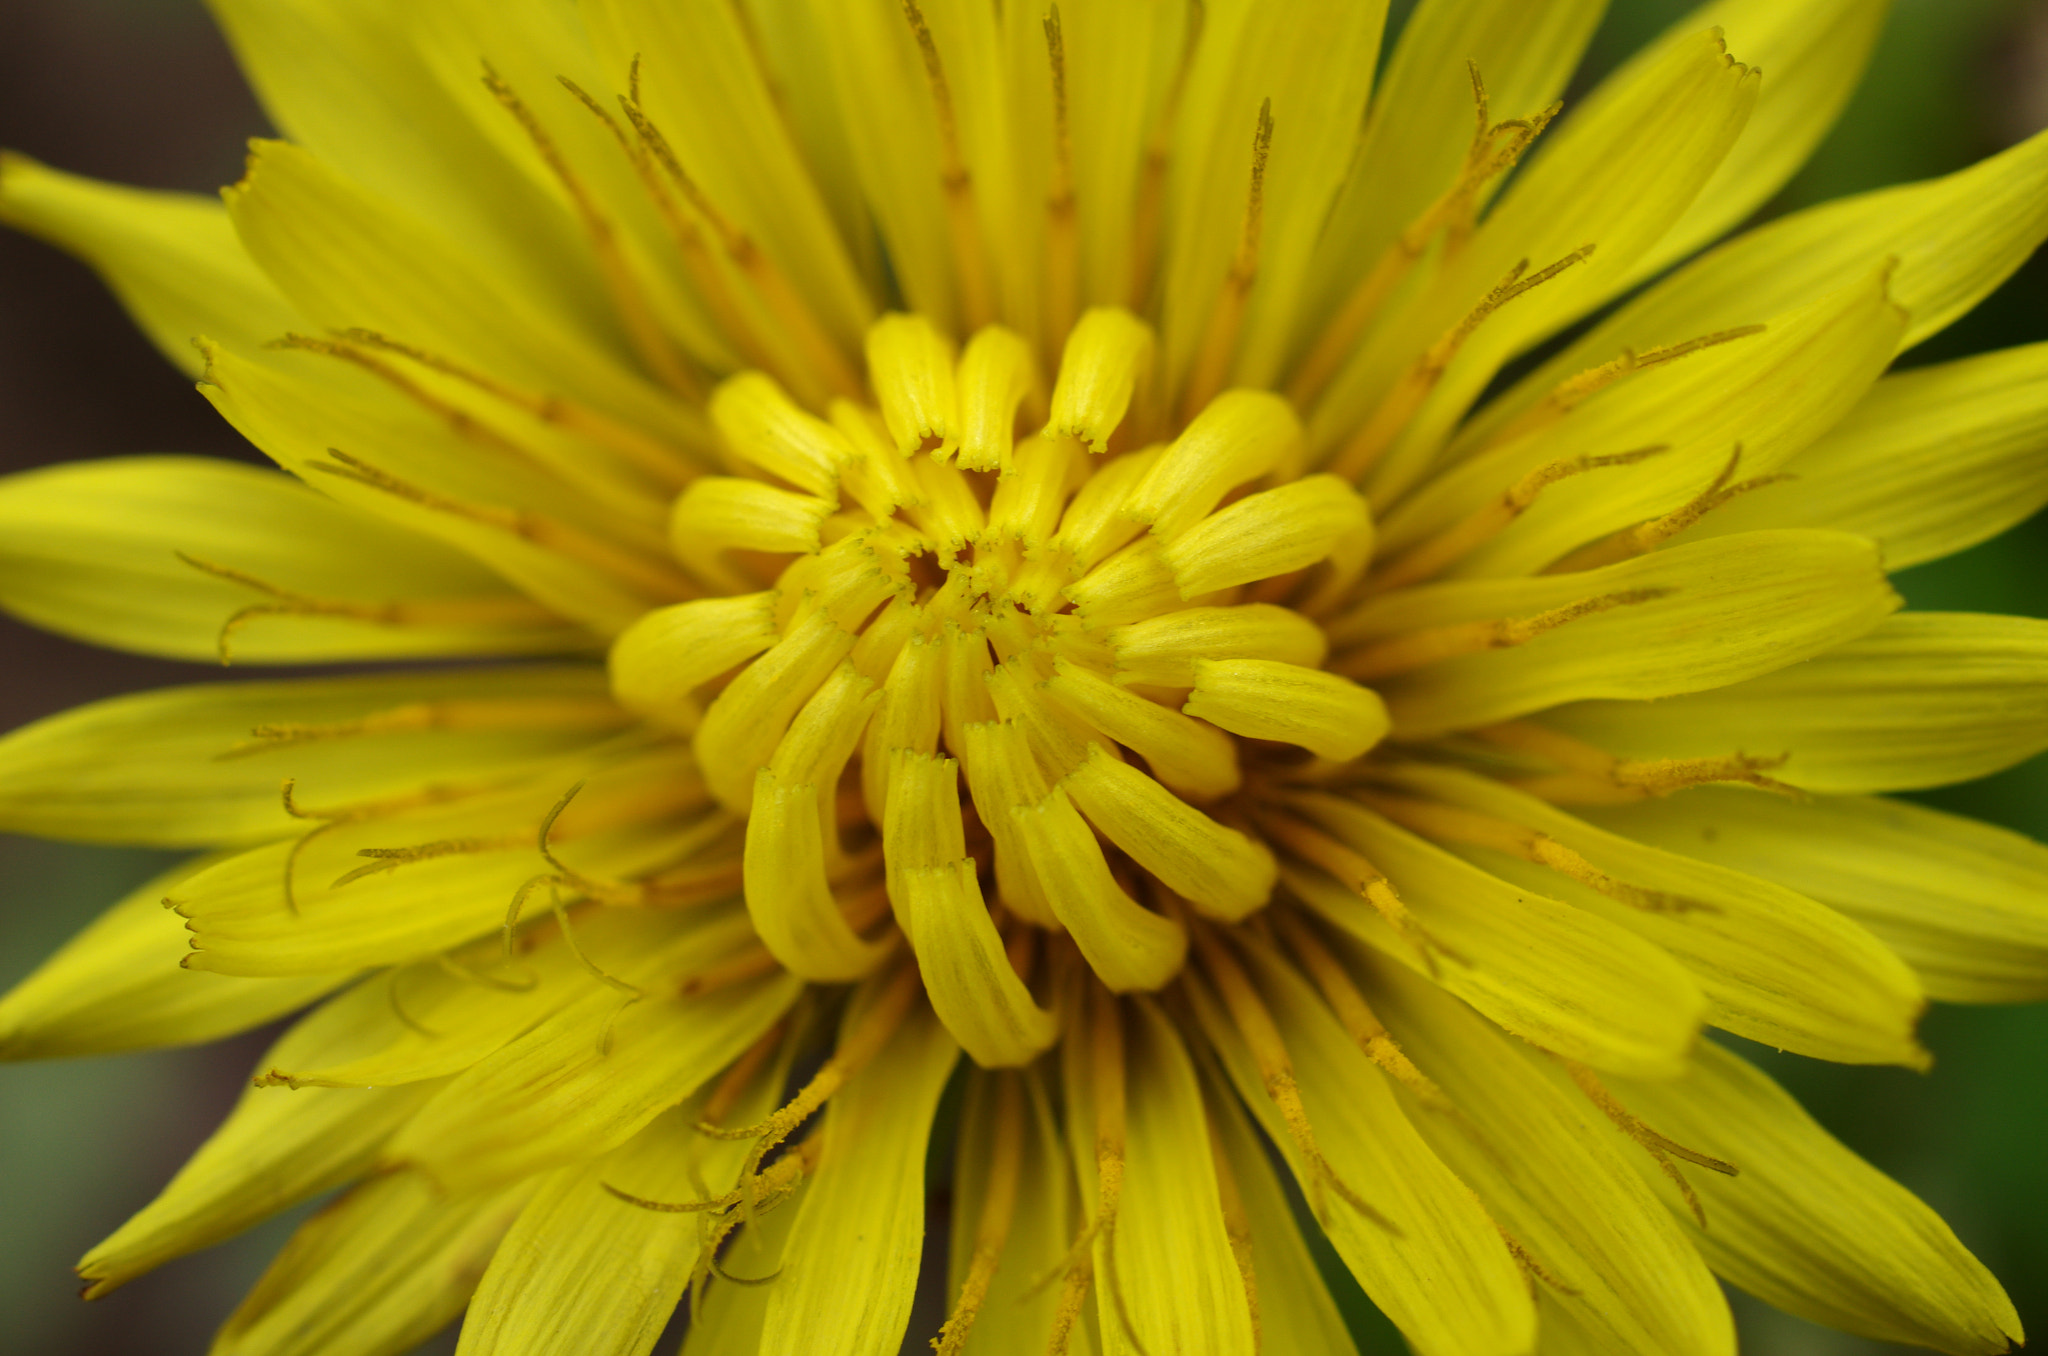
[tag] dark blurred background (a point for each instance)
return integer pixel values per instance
(143, 91)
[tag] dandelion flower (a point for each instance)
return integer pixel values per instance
(1027, 632)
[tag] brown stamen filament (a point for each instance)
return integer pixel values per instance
(1062, 227)
(1276, 1068)
(1593, 776)
(1483, 524)
(1453, 213)
(1372, 441)
(1657, 1146)
(970, 260)
(1351, 868)
(1226, 317)
(1412, 651)
(1573, 391)
(1149, 220)
(1647, 537)
(1352, 1011)
(998, 1210)
(627, 292)
(655, 578)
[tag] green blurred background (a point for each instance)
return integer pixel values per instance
(142, 91)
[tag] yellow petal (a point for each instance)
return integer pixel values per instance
(747, 720)
(1295, 1311)
(1614, 175)
(1016, 1314)
(732, 1314)
(1419, 132)
(1264, 535)
(1162, 651)
(705, 87)
(659, 661)
(441, 1016)
(1929, 462)
(1812, 1228)
(1316, 70)
(1127, 945)
(172, 258)
(583, 1082)
(1926, 699)
(346, 260)
(381, 1269)
(1441, 1273)
(1329, 715)
(1222, 872)
(966, 974)
(1671, 622)
(1624, 1271)
(1238, 437)
(873, 81)
(1758, 400)
(789, 886)
(195, 558)
(118, 985)
(1966, 904)
(584, 1272)
(1812, 54)
(1776, 967)
(1168, 1254)
(298, 414)
(1105, 358)
(1195, 759)
(346, 80)
(389, 889)
(851, 1264)
(1564, 979)
(277, 1147)
(1955, 238)
(202, 765)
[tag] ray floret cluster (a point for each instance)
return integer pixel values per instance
(999, 624)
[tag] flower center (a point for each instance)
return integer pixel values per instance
(1015, 659)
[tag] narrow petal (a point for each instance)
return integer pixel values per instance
(1926, 699)
(429, 479)
(584, 1082)
(277, 1147)
(1016, 1314)
(346, 80)
(1776, 967)
(1758, 400)
(440, 1016)
(1441, 1272)
(1564, 979)
(1614, 176)
(202, 765)
(197, 558)
(1930, 462)
(118, 985)
(1294, 1310)
(1671, 622)
(850, 1268)
(1317, 70)
(583, 1273)
(1966, 904)
(1812, 1228)
(396, 887)
(345, 260)
(1170, 1272)
(1812, 54)
(1620, 1264)
(1955, 238)
(1419, 132)
(172, 258)
(380, 1270)
(706, 90)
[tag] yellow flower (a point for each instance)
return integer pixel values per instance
(1001, 535)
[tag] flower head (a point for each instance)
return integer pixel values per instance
(1011, 565)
